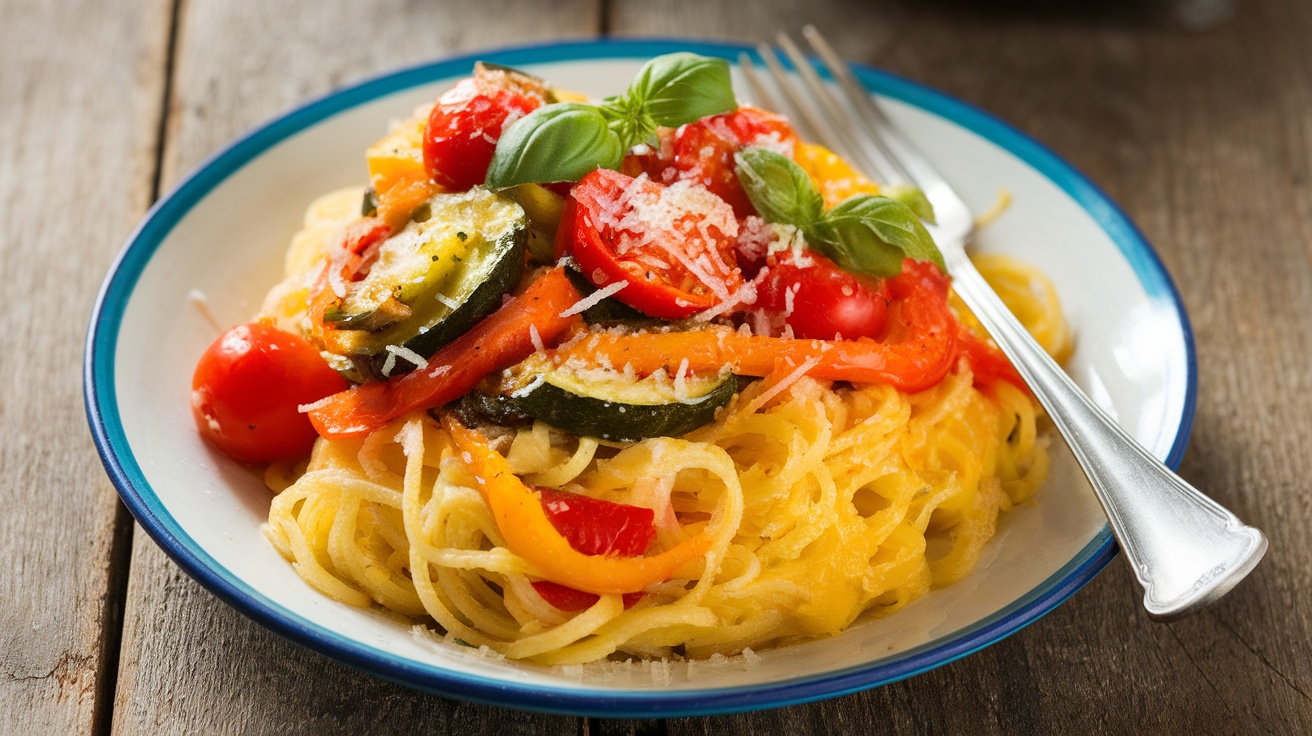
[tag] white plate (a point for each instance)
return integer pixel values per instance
(223, 232)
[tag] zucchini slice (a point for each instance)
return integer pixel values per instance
(611, 405)
(432, 281)
(543, 208)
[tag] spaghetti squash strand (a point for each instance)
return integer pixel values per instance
(803, 506)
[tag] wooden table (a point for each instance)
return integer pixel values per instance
(1205, 137)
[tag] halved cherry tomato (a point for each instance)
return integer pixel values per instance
(703, 151)
(820, 300)
(594, 527)
(463, 130)
(673, 246)
(247, 389)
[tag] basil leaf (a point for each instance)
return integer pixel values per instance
(629, 120)
(564, 141)
(682, 87)
(872, 235)
(779, 189)
(912, 197)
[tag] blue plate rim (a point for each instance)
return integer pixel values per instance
(128, 478)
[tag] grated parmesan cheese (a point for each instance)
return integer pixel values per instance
(592, 300)
(789, 295)
(321, 403)
(202, 305)
(746, 294)
(536, 338)
(785, 382)
(650, 219)
(336, 284)
(399, 351)
(447, 302)
(520, 393)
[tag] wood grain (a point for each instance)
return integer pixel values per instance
(1204, 139)
(77, 154)
(189, 662)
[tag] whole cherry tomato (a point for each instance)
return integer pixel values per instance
(247, 389)
(463, 130)
(821, 301)
(703, 151)
(671, 245)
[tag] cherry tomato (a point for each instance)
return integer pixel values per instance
(595, 527)
(821, 301)
(463, 130)
(247, 387)
(753, 245)
(671, 245)
(703, 151)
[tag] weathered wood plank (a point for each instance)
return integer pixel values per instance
(189, 663)
(77, 152)
(1204, 138)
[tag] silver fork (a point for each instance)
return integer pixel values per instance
(1185, 549)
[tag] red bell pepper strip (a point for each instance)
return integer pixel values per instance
(529, 533)
(573, 601)
(988, 364)
(503, 338)
(918, 348)
(594, 527)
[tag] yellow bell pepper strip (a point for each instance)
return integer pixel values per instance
(530, 534)
(833, 176)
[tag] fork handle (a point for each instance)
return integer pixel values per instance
(1185, 549)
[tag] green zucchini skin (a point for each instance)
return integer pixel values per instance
(486, 298)
(477, 407)
(369, 203)
(594, 416)
(543, 208)
(431, 282)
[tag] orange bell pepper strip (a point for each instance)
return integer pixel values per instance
(530, 534)
(502, 339)
(403, 197)
(917, 351)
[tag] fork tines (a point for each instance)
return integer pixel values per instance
(852, 124)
